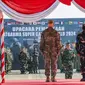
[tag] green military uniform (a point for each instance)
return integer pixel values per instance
(9, 61)
(50, 47)
(60, 60)
(59, 63)
(76, 61)
(35, 60)
(23, 62)
(67, 61)
(6, 62)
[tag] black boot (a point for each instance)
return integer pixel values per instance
(83, 79)
(47, 79)
(53, 79)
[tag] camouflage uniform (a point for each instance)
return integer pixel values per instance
(67, 61)
(6, 61)
(9, 61)
(35, 60)
(60, 60)
(76, 61)
(23, 62)
(80, 47)
(50, 47)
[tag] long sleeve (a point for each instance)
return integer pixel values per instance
(77, 44)
(58, 43)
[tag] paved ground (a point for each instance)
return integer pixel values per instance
(15, 75)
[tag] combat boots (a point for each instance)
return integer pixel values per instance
(47, 79)
(53, 79)
(83, 79)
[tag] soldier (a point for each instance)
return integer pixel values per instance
(77, 58)
(50, 48)
(67, 61)
(29, 61)
(6, 60)
(80, 47)
(30, 65)
(35, 57)
(35, 60)
(9, 60)
(60, 60)
(23, 61)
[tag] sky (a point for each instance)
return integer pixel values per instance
(64, 11)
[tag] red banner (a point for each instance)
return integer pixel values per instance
(29, 6)
(67, 2)
(81, 3)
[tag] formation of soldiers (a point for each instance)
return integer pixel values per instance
(28, 63)
(32, 62)
(68, 57)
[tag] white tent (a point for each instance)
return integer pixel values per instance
(63, 11)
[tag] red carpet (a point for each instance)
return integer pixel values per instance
(42, 82)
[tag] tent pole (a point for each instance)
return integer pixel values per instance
(2, 50)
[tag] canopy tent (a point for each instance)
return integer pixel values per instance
(29, 11)
(33, 10)
(66, 12)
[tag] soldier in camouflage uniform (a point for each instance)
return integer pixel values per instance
(67, 61)
(23, 61)
(77, 58)
(60, 60)
(35, 60)
(6, 60)
(9, 60)
(80, 47)
(50, 48)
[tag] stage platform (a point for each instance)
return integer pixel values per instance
(42, 82)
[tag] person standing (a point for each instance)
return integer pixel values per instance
(77, 58)
(60, 60)
(35, 60)
(6, 60)
(67, 61)
(50, 48)
(80, 47)
(10, 60)
(23, 61)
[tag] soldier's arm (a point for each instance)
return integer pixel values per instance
(42, 43)
(11, 57)
(78, 41)
(58, 43)
(63, 55)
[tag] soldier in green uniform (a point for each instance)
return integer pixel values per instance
(67, 61)
(60, 60)
(50, 48)
(9, 60)
(35, 60)
(23, 61)
(6, 59)
(77, 58)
